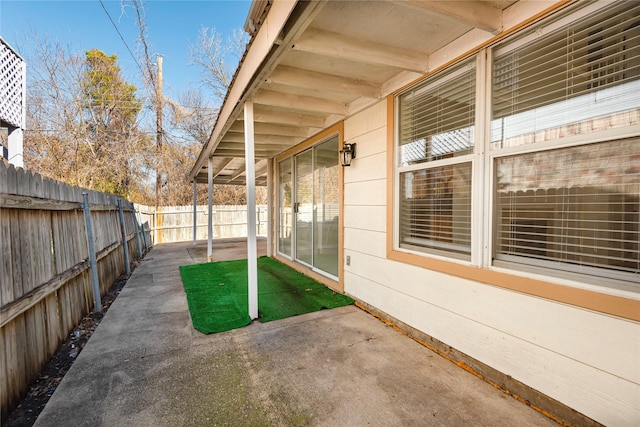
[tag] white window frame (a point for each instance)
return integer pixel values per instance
(539, 268)
(483, 160)
(467, 158)
(533, 267)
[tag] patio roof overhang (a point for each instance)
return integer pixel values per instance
(312, 64)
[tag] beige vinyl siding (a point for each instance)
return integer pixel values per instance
(583, 358)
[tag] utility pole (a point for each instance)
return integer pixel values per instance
(159, 168)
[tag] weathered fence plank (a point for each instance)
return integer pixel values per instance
(45, 285)
(15, 308)
(25, 202)
(15, 286)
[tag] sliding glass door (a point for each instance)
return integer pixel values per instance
(326, 206)
(285, 203)
(304, 207)
(309, 207)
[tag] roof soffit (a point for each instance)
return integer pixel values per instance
(339, 58)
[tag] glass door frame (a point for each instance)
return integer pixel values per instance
(330, 280)
(296, 249)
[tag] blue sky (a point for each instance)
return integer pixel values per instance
(171, 25)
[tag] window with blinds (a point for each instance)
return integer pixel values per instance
(435, 140)
(435, 209)
(578, 77)
(573, 209)
(436, 119)
(563, 153)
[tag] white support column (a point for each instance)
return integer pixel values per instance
(210, 211)
(195, 212)
(270, 205)
(250, 172)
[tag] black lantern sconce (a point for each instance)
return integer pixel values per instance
(347, 154)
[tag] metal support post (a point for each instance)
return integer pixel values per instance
(195, 212)
(144, 238)
(252, 245)
(92, 252)
(210, 211)
(270, 204)
(135, 224)
(123, 232)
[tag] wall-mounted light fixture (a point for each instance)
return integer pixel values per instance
(347, 154)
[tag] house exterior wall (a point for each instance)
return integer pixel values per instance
(585, 359)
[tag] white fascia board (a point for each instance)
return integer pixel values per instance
(268, 35)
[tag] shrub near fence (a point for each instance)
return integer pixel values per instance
(46, 282)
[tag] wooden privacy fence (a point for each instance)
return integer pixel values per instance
(175, 223)
(47, 281)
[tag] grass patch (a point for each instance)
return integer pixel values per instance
(217, 294)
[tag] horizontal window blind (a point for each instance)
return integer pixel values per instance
(436, 118)
(574, 209)
(435, 208)
(581, 78)
(568, 208)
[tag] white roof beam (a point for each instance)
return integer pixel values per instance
(261, 168)
(230, 181)
(237, 173)
(299, 103)
(262, 139)
(221, 166)
(259, 146)
(287, 118)
(240, 170)
(335, 45)
(270, 129)
(479, 14)
(321, 82)
(239, 153)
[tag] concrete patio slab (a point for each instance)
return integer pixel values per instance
(145, 365)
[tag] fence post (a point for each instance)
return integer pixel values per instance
(155, 226)
(125, 245)
(144, 238)
(135, 224)
(92, 252)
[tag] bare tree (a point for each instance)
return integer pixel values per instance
(192, 120)
(192, 117)
(74, 134)
(153, 79)
(82, 120)
(52, 141)
(217, 58)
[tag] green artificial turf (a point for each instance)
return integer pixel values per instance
(217, 294)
